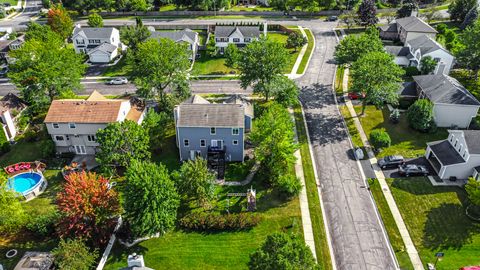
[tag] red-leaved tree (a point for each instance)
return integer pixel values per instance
(88, 207)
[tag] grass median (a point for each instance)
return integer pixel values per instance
(308, 52)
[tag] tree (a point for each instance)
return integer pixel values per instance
(154, 123)
(296, 40)
(353, 47)
(95, 20)
(211, 47)
(470, 18)
(74, 254)
(60, 21)
(138, 5)
(427, 65)
(232, 54)
(376, 75)
(12, 214)
(132, 36)
(473, 190)
(158, 64)
(151, 200)
(42, 32)
(273, 137)
(349, 18)
(87, 206)
(282, 251)
(468, 53)
(408, 6)
(196, 181)
(284, 90)
(420, 115)
(121, 142)
(367, 13)
(45, 69)
(458, 9)
(260, 63)
(380, 138)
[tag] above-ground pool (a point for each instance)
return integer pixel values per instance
(29, 184)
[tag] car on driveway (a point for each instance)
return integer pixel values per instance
(412, 170)
(332, 18)
(355, 95)
(391, 162)
(117, 81)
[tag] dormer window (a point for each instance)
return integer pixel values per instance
(72, 125)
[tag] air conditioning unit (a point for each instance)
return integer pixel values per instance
(135, 260)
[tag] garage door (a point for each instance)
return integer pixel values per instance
(99, 58)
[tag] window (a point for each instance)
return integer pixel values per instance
(436, 59)
(235, 131)
(59, 138)
(236, 40)
(213, 131)
(55, 125)
(247, 39)
(460, 148)
(91, 138)
(68, 137)
(203, 143)
(80, 41)
(456, 141)
(235, 142)
(72, 125)
(186, 143)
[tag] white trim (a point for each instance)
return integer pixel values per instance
(238, 131)
(205, 141)
(186, 143)
(214, 132)
(233, 142)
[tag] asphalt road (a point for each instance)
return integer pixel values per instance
(20, 21)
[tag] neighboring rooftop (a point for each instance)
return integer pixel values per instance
(444, 89)
(245, 31)
(210, 115)
(94, 32)
(389, 28)
(241, 100)
(408, 89)
(415, 24)
(425, 44)
(472, 139)
(12, 102)
(445, 153)
(184, 35)
(398, 51)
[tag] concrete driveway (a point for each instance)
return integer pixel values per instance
(393, 172)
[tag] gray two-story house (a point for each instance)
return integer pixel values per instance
(73, 124)
(205, 128)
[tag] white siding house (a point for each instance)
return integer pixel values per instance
(238, 35)
(186, 36)
(457, 156)
(406, 29)
(101, 44)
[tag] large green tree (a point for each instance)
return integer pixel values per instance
(285, 91)
(74, 254)
(133, 35)
(12, 214)
(376, 75)
(60, 21)
(420, 115)
(151, 200)
(468, 54)
(44, 68)
(283, 251)
(195, 181)
(353, 47)
(155, 125)
(121, 142)
(296, 40)
(159, 64)
(95, 20)
(427, 65)
(260, 63)
(458, 9)
(232, 54)
(473, 190)
(367, 13)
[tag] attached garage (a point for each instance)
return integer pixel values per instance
(103, 53)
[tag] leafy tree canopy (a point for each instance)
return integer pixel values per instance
(296, 40)
(12, 214)
(232, 55)
(458, 9)
(427, 65)
(60, 21)
(133, 35)
(468, 54)
(74, 254)
(367, 13)
(473, 191)
(353, 47)
(95, 20)
(420, 115)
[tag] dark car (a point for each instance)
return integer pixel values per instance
(391, 162)
(412, 169)
(332, 18)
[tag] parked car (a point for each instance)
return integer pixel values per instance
(118, 81)
(391, 162)
(355, 95)
(412, 169)
(332, 18)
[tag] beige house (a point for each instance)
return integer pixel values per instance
(73, 123)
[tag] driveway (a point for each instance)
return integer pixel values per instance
(393, 172)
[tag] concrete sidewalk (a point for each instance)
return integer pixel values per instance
(407, 240)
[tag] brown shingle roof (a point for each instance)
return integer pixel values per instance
(81, 111)
(210, 115)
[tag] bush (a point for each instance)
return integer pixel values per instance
(48, 148)
(379, 138)
(43, 225)
(203, 221)
(411, 71)
(289, 184)
(420, 115)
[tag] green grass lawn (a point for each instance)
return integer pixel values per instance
(319, 233)
(391, 227)
(12, 2)
(282, 38)
(207, 65)
(308, 52)
(238, 171)
(244, 8)
(122, 68)
(356, 140)
(405, 141)
(339, 81)
(436, 220)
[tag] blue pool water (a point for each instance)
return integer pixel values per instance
(24, 181)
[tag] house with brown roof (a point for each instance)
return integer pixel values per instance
(11, 106)
(73, 123)
(213, 131)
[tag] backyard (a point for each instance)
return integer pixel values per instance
(405, 141)
(436, 220)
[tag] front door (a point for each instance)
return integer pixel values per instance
(80, 150)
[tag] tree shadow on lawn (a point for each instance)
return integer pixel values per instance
(447, 227)
(119, 250)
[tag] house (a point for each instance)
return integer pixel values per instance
(100, 43)
(186, 36)
(453, 105)
(238, 35)
(73, 124)
(457, 156)
(11, 107)
(415, 49)
(10, 45)
(210, 129)
(247, 104)
(405, 29)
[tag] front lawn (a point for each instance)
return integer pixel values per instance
(352, 129)
(282, 38)
(405, 141)
(122, 68)
(207, 65)
(436, 220)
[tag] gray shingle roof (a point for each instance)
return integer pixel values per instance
(445, 153)
(246, 31)
(472, 138)
(408, 89)
(397, 50)
(241, 100)
(389, 28)
(94, 32)
(210, 115)
(105, 47)
(414, 24)
(425, 44)
(183, 35)
(444, 89)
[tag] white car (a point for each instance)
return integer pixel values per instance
(118, 81)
